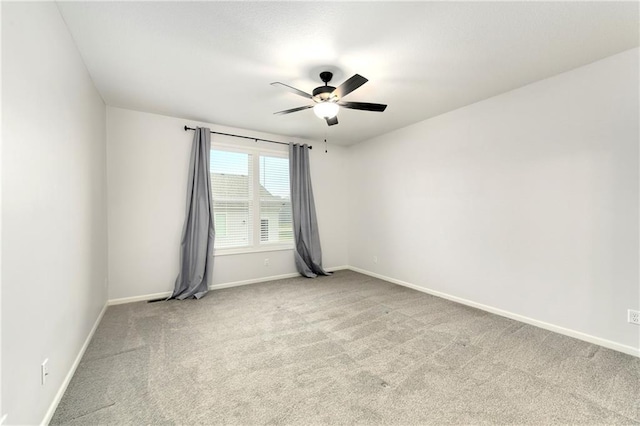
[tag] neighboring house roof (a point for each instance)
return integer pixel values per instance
(237, 186)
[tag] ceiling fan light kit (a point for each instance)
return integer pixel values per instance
(328, 98)
(326, 109)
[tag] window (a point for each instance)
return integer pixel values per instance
(251, 201)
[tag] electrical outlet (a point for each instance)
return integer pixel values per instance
(44, 371)
(375, 259)
(266, 262)
(633, 316)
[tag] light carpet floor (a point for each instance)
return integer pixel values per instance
(342, 349)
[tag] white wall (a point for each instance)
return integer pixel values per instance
(148, 158)
(525, 202)
(2, 414)
(54, 206)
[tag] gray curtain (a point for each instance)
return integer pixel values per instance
(196, 248)
(308, 255)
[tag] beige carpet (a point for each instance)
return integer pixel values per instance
(340, 350)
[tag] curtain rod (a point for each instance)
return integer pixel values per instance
(244, 137)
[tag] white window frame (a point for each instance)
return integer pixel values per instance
(256, 245)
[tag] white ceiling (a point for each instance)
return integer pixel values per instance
(213, 61)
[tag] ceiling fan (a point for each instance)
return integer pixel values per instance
(328, 99)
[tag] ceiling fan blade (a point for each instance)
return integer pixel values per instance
(349, 86)
(291, 89)
(365, 106)
(332, 121)
(289, 111)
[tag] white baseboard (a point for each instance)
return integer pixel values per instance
(72, 370)
(265, 279)
(252, 281)
(220, 286)
(142, 298)
(545, 325)
(336, 268)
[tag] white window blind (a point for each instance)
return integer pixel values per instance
(251, 200)
(275, 200)
(232, 192)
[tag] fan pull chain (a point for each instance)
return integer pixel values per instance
(325, 140)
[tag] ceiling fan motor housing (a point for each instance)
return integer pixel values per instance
(322, 93)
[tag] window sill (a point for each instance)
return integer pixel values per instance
(231, 251)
